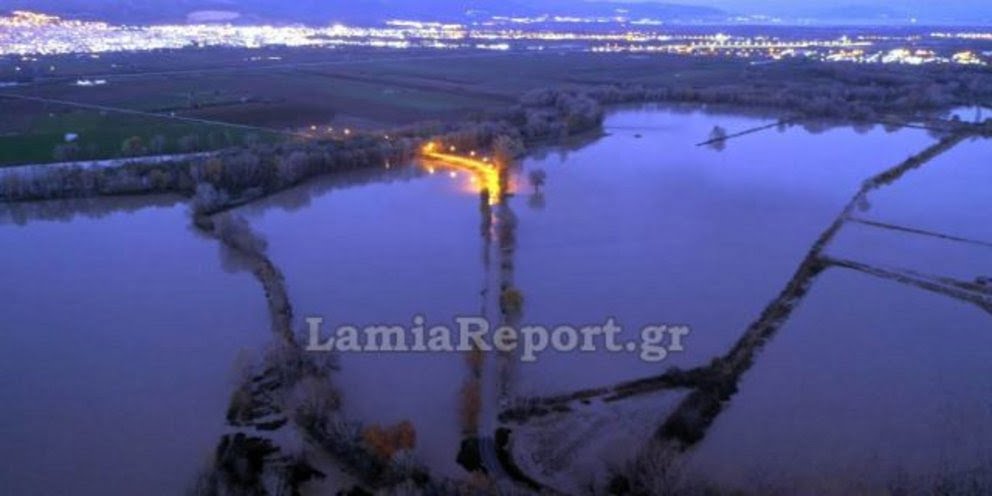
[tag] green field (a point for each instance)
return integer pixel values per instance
(42, 128)
(337, 89)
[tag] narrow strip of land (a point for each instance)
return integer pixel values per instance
(958, 290)
(746, 132)
(922, 232)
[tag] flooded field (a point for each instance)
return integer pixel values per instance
(887, 392)
(645, 226)
(640, 224)
(383, 253)
(119, 348)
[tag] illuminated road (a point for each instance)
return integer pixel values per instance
(485, 174)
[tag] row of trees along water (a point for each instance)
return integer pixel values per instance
(250, 171)
(809, 89)
(244, 173)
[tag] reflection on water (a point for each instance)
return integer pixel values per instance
(90, 208)
(483, 174)
(971, 114)
(302, 195)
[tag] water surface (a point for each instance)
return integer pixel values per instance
(120, 338)
(122, 327)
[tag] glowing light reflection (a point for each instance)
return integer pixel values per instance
(484, 176)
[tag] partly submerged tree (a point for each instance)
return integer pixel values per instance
(537, 201)
(718, 138)
(511, 302)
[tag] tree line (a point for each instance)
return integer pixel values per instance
(241, 174)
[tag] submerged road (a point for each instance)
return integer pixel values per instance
(746, 132)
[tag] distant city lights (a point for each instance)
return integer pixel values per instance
(29, 35)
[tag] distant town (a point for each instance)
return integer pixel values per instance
(26, 35)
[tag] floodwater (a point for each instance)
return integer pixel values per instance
(122, 329)
(656, 230)
(887, 385)
(121, 332)
(382, 254)
(970, 114)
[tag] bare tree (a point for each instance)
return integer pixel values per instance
(718, 138)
